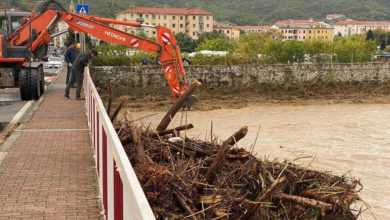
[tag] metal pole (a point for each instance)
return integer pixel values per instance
(83, 36)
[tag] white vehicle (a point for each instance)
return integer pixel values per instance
(54, 62)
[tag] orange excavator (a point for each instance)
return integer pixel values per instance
(24, 49)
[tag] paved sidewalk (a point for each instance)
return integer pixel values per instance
(49, 173)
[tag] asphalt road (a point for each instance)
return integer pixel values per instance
(10, 102)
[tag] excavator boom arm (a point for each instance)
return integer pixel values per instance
(38, 26)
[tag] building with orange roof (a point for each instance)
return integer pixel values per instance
(332, 17)
(252, 29)
(351, 27)
(184, 20)
(228, 30)
(304, 30)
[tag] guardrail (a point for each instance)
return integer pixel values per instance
(121, 193)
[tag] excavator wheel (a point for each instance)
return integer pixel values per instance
(34, 82)
(42, 80)
(24, 85)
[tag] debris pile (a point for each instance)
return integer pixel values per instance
(193, 179)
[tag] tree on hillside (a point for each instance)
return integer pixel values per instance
(217, 44)
(185, 42)
(353, 48)
(71, 38)
(251, 44)
(370, 35)
(210, 36)
(318, 50)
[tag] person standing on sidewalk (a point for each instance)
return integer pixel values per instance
(70, 56)
(78, 71)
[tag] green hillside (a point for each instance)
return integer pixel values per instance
(241, 12)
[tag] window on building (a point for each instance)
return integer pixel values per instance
(146, 16)
(153, 16)
(228, 31)
(318, 31)
(147, 23)
(154, 24)
(193, 33)
(193, 25)
(207, 18)
(304, 37)
(304, 31)
(165, 17)
(309, 37)
(154, 32)
(326, 37)
(173, 25)
(132, 15)
(173, 17)
(147, 32)
(181, 25)
(193, 17)
(165, 25)
(181, 17)
(310, 32)
(207, 25)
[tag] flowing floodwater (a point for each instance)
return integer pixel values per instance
(340, 137)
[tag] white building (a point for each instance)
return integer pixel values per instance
(351, 27)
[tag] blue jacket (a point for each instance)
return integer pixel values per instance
(71, 55)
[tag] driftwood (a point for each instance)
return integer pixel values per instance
(306, 202)
(221, 154)
(176, 106)
(123, 100)
(265, 196)
(109, 96)
(180, 198)
(191, 179)
(135, 136)
(179, 128)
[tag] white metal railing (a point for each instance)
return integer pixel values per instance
(121, 193)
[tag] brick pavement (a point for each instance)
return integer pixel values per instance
(49, 173)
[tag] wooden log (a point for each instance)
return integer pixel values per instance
(221, 154)
(126, 139)
(180, 128)
(135, 136)
(306, 202)
(183, 203)
(123, 100)
(264, 197)
(109, 102)
(237, 156)
(177, 105)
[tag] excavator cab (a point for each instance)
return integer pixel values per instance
(30, 78)
(9, 22)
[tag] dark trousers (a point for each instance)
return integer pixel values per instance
(78, 76)
(68, 72)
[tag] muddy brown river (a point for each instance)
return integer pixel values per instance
(338, 137)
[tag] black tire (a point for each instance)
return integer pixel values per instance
(42, 80)
(35, 84)
(24, 85)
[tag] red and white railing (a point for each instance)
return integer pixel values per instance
(121, 193)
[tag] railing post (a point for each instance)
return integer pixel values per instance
(121, 193)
